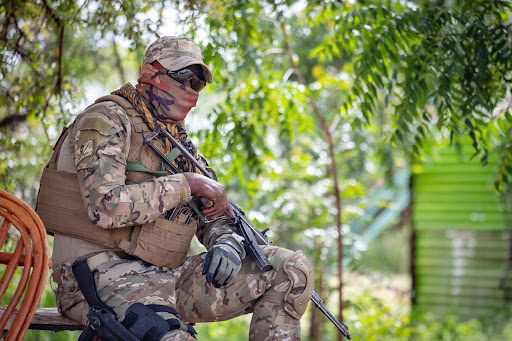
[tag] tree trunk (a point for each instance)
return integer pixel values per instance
(118, 64)
(333, 169)
(317, 319)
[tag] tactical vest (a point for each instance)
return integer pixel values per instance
(62, 209)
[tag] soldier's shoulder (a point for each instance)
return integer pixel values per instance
(103, 116)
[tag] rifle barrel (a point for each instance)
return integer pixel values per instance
(342, 327)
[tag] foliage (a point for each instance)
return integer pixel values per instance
(49, 50)
(437, 63)
(387, 254)
(376, 319)
(357, 60)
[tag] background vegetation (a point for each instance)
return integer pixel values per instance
(315, 107)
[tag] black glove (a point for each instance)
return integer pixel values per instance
(223, 262)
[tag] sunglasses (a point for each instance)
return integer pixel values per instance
(197, 82)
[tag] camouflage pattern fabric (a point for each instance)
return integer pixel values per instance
(110, 202)
(171, 99)
(101, 149)
(121, 283)
(270, 322)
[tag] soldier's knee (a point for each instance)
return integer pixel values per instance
(300, 274)
(293, 285)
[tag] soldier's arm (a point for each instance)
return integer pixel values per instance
(102, 138)
(218, 229)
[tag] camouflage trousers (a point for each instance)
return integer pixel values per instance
(122, 282)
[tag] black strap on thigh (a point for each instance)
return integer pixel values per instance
(141, 323)
(85, 281)
(103, 321)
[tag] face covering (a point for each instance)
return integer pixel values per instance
(171, 99)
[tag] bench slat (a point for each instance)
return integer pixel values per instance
(47, 319)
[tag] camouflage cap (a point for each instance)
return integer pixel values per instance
(176, 53)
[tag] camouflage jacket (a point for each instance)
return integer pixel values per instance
(102, 136)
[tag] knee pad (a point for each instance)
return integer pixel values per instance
(300, 274)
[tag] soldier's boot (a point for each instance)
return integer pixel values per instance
(271, 322)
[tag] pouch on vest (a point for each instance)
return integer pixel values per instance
(161, 242)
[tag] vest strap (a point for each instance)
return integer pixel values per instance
(139, 167)
(175, 152)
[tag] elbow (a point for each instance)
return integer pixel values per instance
(122, 215)
(100, 218)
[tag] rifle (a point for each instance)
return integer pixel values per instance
(253, 237)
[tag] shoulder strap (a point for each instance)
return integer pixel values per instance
(122, 102)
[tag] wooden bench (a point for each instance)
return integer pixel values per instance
(46, 319)
(31, 258)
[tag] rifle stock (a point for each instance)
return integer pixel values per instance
(253, 236)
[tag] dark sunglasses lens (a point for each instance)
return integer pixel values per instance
(197, 84)
(182, 75)
(185, 75)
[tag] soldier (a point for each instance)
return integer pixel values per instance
(140, 220)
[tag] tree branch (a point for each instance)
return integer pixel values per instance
(13, 120)
(5, 25)
(118, 62)
(60, 26)
(59, 73)
(49, 10)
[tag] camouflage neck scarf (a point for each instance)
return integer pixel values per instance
(171, 99)
(177, 129)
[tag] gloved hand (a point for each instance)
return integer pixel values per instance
(223, 262)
